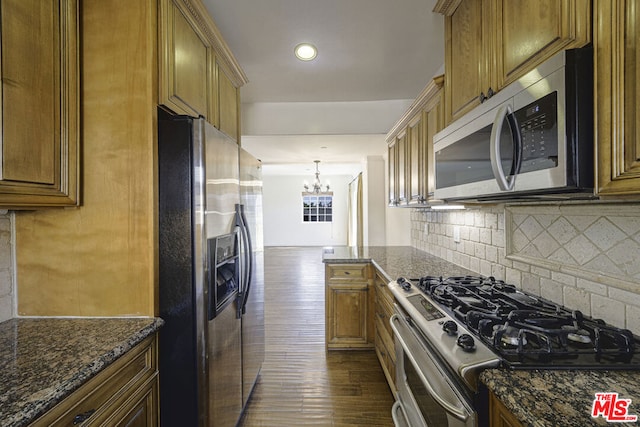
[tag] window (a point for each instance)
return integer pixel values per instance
(317, 207)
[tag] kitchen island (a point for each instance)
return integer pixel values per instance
(44, 360)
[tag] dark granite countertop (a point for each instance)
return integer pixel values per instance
(540, 398)
(43, 360)
(396, 261)
(549, 398)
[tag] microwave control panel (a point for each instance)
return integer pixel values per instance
(538, 130)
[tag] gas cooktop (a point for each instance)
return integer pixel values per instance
(527, 331)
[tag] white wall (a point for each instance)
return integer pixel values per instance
(282, 212)
(322, 118)
(374, 201)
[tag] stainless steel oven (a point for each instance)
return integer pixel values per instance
(427, 393)
(447, 330)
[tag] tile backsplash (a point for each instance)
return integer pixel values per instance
(7, 288)
(585, 256)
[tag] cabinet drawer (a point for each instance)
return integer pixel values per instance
(100, 395)
(386, 356)
(347, 272)
(385, 336)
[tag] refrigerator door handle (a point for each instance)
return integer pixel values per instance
(245, 256)
(250, 265)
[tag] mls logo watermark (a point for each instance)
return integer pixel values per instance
(611, 408)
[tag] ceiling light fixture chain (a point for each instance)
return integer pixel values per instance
(317, 185)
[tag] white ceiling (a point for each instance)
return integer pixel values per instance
(368, 50)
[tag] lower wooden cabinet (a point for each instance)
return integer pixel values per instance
(348, 309)
(499, 415)
(384, 344)
(123, 394)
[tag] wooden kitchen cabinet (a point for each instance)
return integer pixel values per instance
(417, 160)
(186, 70)
(228, 101)
(392, 159)
(348, 310)
(198, 75)
(491, 43)
(499, 415)
(124, 394)
(411, 161)
(616, 34)
(397, 170)
(384, 342)
(124, 70)
(39, 100)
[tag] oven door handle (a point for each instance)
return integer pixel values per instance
(449, 407)
(398, 415)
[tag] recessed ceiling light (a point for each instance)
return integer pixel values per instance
(305, 51)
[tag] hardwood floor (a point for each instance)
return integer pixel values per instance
(301, 384)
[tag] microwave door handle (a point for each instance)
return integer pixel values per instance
(505, 184)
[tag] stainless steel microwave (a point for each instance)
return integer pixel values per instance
(532, 140)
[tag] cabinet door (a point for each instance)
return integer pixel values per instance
(347, 315)
(402, 180)
(227, 104)
(186, 57)
(499, 415)
(532, 31)
(391, 169)
(617, 77)
(466, 57)
(141, 411)
(416, 161)
(433, 123)
(39, 100)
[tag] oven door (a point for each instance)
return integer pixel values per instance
(427, 396)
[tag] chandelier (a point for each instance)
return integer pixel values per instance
(317, 185)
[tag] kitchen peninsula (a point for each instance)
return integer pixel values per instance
(530, 397)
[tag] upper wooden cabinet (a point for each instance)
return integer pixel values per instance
(39, 102)
(491, 43)
(228, 102)
(410, 154)
(187, 59)
(198, 74)
(466, 57)
(617, 94)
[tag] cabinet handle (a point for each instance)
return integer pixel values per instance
(490, 93)
(483, 97)
(80, 418)
(347, 273)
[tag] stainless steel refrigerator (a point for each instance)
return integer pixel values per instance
(211, 280)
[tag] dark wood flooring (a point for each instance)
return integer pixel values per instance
(301, 384)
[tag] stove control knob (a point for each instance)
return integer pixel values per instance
(466, 342)
(450, 327)
(404, 284)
